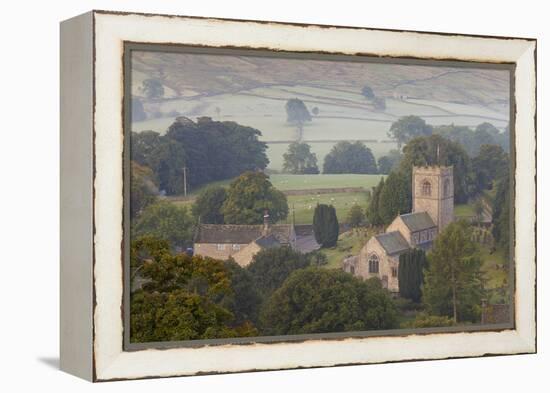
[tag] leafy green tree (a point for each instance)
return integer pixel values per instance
(389, 162)
(208, 205)
(249, 196)
(245, 299)
(437, 150)
(394, 197)
(179, 297)
(453, 282)
(373, 209)
(489, 164)
(271, 267)
(152, 88)
(217, 150)
(325, 225)
(472, 140)
(350, 157)
(299, 159)
(407, 128)
(143, 188)
(411, 274)
(297, 112)
(166, 221)
(501, 213)
(367, 92)
(321, 300)
(356, 216)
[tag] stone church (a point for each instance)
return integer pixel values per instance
(433, 210)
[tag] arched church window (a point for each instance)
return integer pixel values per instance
(426, 188)
(447, 187)
(374, 263)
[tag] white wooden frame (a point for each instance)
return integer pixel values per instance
(92, 195)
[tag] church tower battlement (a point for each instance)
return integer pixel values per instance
(433, 192)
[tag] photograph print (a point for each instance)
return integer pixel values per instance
(284, 195)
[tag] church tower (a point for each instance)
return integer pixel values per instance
(433, 193)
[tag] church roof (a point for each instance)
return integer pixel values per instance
(392, 242)
(240, 234)
(417, 221)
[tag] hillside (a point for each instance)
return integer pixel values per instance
(253, 91)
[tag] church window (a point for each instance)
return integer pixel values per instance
(374, 264)
(426, 188)
(236, 247)
(352, 269)
(221, 247)
(394, 272)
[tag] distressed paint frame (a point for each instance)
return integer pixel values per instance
(110, 32)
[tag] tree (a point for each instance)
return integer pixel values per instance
(411, 274)
(437, 150)
(208, 150)
(320, 301)
(137, 110)
(143, 188)
(152, 88)
(453, 280)
(367, 92)
(350, 157)
(249, 196)
(489, 164)
(501, 213)
(356, 216)
(325, 225)
(245, 299)
(379, 103)
(394, 197)
(217, 150)
(297, 112)
(179, 297)
(389, 162)
(373, 209)
(299, 159)
(166, 221)
(407, 128)
(208, 205)
(271, 267)
(472, 140)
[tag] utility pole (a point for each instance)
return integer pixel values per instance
(185, 181)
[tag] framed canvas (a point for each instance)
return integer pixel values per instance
(247, 195)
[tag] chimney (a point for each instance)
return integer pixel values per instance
(265, 231)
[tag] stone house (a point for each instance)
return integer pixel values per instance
(433, 210)
(241, 242)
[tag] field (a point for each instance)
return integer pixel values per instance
(304, 205)
(253, 92)
(304, 182)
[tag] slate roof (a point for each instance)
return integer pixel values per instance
(240, 234)
(417, 221)
(269, 241)
(392, 242)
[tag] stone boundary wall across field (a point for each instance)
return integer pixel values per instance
(314, 191)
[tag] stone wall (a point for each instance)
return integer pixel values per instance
(211, 250)
(386, 264)
(440, 203)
